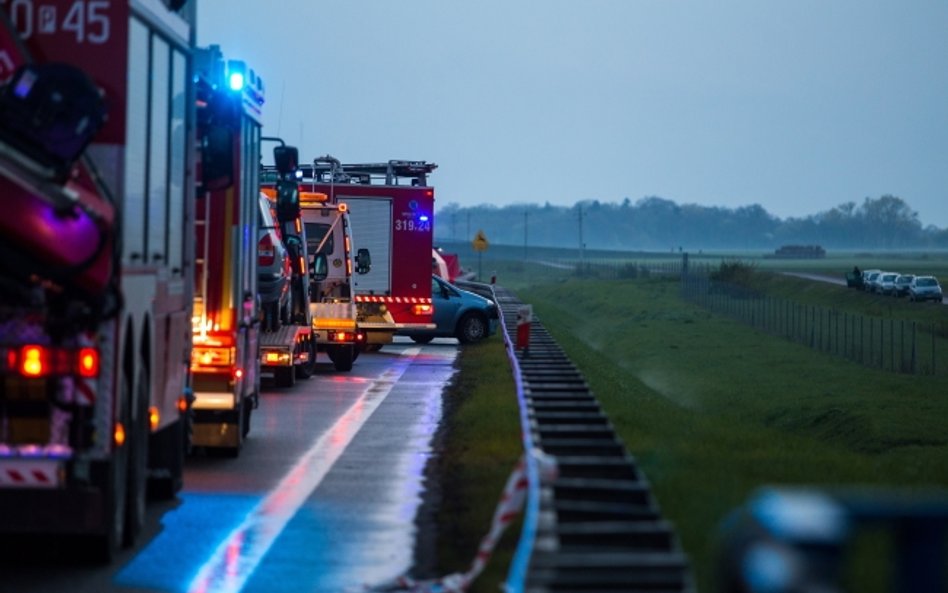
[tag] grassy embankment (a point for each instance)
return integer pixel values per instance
(480, 447)
(713, 409)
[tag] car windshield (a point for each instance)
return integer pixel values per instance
(889, 278)
(925, 282)
(904, 279)
(315, 232)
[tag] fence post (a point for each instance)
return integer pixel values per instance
(836, 340)
(914, 348)
(881, 343)
(891, 344)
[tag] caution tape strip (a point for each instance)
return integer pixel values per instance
(509, 506)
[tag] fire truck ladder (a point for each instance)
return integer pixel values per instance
(328, 169)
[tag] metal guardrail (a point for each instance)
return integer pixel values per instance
(595, 526)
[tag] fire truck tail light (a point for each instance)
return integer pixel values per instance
(88, 363)
(423, 309)
(207, 356)
(238, 374)
(34, 361)
(119, 435)
(182, 404)
(154, 418)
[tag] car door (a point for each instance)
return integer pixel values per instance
(446, 303)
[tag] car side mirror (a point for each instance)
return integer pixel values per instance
(363, 261)
(320, 269)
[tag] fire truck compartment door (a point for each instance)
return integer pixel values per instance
(371, 221)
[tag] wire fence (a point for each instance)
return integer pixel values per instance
(888, 344)
(617, 269)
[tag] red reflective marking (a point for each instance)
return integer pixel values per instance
(87, 393)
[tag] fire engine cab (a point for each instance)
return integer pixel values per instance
(97, 145)
(391, 212)
(226, 329)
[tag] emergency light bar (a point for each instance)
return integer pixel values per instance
(313, 197)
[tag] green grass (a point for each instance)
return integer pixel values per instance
(480, 448)
(713, 410)
(514, 273)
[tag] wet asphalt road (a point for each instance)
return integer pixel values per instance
(322, 498)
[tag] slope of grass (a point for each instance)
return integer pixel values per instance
(479, 448)
(713, 409)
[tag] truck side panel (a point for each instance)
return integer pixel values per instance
(372, 229)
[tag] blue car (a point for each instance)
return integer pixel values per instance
(457, 314)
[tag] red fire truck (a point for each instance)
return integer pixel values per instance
(96, 137)
(391, 211)
(226, 354)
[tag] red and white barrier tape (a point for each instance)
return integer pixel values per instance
(511, 503)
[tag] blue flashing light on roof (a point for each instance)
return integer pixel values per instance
(423, 218)
(236, 81)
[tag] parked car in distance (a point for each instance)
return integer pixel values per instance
(457, 314)
(925, 288)
(886, 283)
(273, 268)
(902, 284)
(867, 277)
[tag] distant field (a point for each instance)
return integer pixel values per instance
(714, 409)
(537, 261)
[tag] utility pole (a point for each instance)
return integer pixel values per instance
(525, 216)
(582, 245)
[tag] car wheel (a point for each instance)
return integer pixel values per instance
(342, 356)
(471, 328)
(421, 339)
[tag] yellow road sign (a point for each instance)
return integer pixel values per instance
(480, 242)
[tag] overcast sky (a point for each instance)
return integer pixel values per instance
(797, 105)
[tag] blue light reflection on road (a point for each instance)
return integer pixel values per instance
(190, 534)
(358, 530)
(354, 533)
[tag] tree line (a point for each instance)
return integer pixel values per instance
(655, 223)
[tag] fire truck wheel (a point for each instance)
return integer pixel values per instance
(242, 418)
(342, 357)
(166, 451)
(471, 328)
(106, 545)
(137, 463)
(306, 370)
(248, 411)
(284, 377)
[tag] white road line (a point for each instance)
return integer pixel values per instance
(239, 554)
